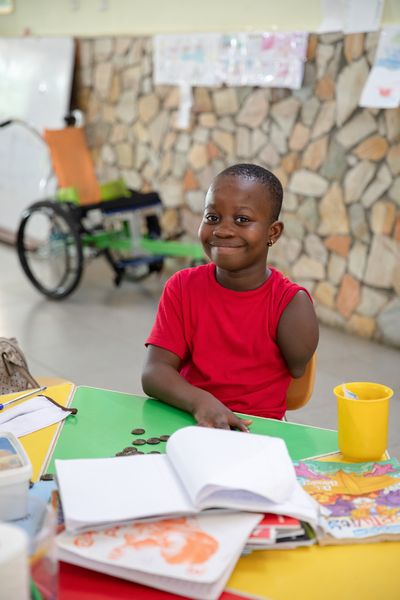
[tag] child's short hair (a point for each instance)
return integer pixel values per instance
(264, 177)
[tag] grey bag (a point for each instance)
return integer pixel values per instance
(14, 371)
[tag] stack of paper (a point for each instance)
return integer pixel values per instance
(279, 532)
(152, 519)
(191, 556)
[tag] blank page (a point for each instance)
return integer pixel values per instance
(99, 491)
(211, 459)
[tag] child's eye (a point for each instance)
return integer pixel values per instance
(210, 218)
(242, 219)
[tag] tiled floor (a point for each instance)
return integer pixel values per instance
(95, 337)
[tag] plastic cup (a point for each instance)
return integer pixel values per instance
(363, 421)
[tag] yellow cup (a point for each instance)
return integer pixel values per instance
(363, 422)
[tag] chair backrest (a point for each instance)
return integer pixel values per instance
(300, 390)
(73, 163)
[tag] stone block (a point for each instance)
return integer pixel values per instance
(225, 102)
(348, 296)
(373, 148)
(339, 244)
(254, 110)
(382, 217)
(308, 268)
(333, 216)
(388, 323)
(382, 261)
(362, 326)
(358, 128)
(350, 84)
(315, 154)
(357, 179)
(307, 183)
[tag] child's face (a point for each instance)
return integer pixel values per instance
(237, 224)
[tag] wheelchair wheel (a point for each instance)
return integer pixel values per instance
(49, 249)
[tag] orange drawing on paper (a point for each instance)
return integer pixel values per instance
(178, 540)
(84, 539)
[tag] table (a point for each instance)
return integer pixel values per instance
(105, 419)
(347, 572)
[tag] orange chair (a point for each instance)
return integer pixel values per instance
(300, 390)
(73, 163)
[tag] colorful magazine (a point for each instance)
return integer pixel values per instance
(361, 500)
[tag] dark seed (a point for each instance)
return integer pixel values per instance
(139, 442)
(47, 477)
(154, 452)
(164, 438)
(138, 431)
(153, 440)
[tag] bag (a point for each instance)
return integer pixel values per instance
(14, 372)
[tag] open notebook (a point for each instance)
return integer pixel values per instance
(202, 469)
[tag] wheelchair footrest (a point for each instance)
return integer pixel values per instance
(137, 260)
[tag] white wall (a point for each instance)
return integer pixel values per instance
(118, 17)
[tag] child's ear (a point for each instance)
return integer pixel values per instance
(275, 232)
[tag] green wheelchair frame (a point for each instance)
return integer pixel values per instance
(56, 236)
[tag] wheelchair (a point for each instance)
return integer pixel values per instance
(57, 236)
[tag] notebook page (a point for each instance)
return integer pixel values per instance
(109, 490)
(207, 460)
(197, 550)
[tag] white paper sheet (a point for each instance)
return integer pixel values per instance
(191, 556)
(382, 88)
(350, 16)
(205, 458)
(185, 106)
(188, 58)
(266, 59)
(362, 15)
(30, 416)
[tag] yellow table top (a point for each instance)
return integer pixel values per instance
(346, 572)
(38, 443)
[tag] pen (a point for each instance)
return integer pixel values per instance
(31, 393)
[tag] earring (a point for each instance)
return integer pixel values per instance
(269, 243)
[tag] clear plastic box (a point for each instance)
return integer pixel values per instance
(15, 472)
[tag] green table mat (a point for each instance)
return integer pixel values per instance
(106, 418)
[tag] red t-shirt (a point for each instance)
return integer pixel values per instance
(227, 339)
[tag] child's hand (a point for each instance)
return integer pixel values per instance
(212, 413)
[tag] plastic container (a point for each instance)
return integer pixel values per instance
(15, 472)
(363, 421)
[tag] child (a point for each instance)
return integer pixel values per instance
(230, 335)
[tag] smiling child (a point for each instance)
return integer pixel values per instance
(231, 334)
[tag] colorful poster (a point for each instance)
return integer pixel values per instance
(186, 59)
(263, 59)
(382, 88)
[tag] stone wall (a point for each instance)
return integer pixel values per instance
(339, 164)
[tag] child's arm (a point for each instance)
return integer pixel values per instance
(161, 379)
(298, 333)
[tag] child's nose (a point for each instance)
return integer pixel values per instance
(223, 229)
